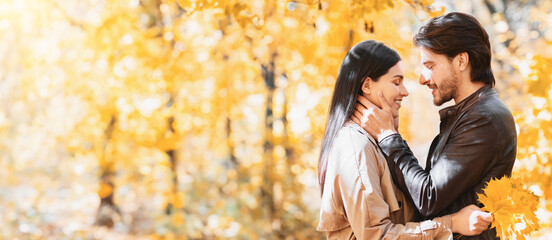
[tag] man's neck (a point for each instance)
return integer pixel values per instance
(466, 89)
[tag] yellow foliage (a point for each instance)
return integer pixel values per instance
(513, 207)
(178, 219)
(169, 98)
(179, 200)
(540, 80)
(105, 190)
(168, 142)
(535, 128)
(437, 13)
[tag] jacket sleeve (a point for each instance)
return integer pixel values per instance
(367, 211)
(460, 166)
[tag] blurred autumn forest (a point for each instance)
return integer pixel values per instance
(203, 119)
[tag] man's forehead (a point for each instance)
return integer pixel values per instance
(427, 55)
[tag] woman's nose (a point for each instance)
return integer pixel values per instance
(404, 91)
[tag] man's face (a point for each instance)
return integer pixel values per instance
(438, 75)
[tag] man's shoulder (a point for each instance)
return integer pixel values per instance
(490, 106)
(492, 109)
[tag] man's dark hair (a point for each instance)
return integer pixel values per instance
(455, 33)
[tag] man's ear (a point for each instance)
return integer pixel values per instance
(463, 61)
(367, 86)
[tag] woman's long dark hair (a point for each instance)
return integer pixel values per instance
(366, 59)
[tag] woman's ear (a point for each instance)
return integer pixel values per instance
(367, 85)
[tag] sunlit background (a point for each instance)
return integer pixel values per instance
(203, 119)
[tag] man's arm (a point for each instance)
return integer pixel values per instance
(459, 167)
(368, 212)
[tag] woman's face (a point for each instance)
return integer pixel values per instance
(390, 85)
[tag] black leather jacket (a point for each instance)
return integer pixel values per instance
(476, 142)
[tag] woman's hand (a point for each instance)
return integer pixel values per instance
(471, 221)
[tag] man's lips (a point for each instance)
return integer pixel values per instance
(433, 88)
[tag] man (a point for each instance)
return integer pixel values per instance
(477, 138)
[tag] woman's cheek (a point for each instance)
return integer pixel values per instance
(391, 103)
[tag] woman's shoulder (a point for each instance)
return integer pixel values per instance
(352, 134)
(354, 156)
(353, 142)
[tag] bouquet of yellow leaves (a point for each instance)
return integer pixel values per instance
(513, 207)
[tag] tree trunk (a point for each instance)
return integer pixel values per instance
(231, 155)
(153, 9)
(267, 193)
(171, 153)
(174, 180)
(107, 209)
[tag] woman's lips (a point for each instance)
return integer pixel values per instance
(398, 102)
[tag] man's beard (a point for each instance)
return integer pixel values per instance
(446, 90)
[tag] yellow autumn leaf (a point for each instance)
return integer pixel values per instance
(513, 207)
(436, 13)
(186, 4)
(179, 200)
(105, 190)
(168, 142)
(178, 219)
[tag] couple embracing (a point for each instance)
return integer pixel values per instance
(372, 185)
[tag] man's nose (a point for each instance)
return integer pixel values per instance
(423, 80)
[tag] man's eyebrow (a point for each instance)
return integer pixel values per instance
(399, 76)
(426, 62)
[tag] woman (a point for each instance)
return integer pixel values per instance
(359, 198)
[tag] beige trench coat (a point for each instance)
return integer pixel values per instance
(360, 200)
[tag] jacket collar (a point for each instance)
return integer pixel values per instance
(353, 125)
(466, 103)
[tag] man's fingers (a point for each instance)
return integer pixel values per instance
(359, 107)
(355, 119)
(482, 224)
(364, 102)
(383, 103)
(358, 116)
(479, 227)
(481, 220)
(472, 206)
(483, 216)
